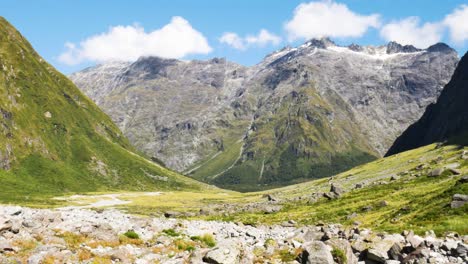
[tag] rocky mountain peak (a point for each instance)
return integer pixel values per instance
(440, 47)
(395, 47)
(321, 43)
(355, 47)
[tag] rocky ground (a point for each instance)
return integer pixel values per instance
(77, 235)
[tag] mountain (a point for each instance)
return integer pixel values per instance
(444, 120)
(53, 139)
(301, 113)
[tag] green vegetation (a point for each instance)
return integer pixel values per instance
(413, 201)
(218, 161)
(207, 239)
(171, 232)
(184, 245)
(339, 256)
(131, 234)
(54, 140)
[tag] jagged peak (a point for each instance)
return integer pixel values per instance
(321, 43)
(395, 47)
(355, 47)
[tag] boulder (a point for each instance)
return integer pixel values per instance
(458, 200)
(229, 253)
(172, 214)
(345, 247)
(454, 171)
(331, 195)
(336, 189)
(463, 179)
(375, 255)
(436, 172)
(271, 198)
(316, 252)
(5, 225)
(415, 240)
(460, 251)
(5, 246)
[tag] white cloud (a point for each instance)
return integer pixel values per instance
(457, 23)
(328, 19)
(233, 40)
(175, 40)
(263, 38)
(409, 31)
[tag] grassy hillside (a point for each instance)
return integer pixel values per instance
(414, 200)
(54, 140)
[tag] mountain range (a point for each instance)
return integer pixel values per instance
(301, 113)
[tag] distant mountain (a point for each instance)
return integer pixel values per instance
(444, 120)
(53, 139)
(301, 113)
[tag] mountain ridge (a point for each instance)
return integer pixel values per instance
(205, 107)
(444, 120)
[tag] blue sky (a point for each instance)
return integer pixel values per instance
(50, 24)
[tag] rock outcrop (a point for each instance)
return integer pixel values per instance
(447, 119)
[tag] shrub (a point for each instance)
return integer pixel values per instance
(131, 234)
(171, 232)
(207, 239)
(339, 256)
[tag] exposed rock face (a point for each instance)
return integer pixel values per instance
(446, 119)
(284, 120)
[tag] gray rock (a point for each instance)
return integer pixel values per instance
(5, 225)
(228, 253)
(436, 172)
(376, 255)
(271, 198)
(461, 250)
(345, 247)
(415, 240)
(5, 246)
(336, 189)
(463, 179)
(458, 200)
(316, 252)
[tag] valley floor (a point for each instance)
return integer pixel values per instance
(424, 190)
(76, 235)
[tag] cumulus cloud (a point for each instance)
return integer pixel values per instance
(175, 40)
(411, 31)
(263, 38)
(328, 19)
(233, 40)
(457, 23)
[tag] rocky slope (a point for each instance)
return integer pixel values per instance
(53, 139)
(284, 120)
(446, 119)
(108, 236)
